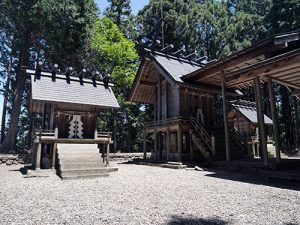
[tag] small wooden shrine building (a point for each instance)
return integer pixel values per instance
(182, 89)
(68, 136)
(242, 116)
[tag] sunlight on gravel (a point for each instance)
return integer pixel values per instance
(144, 195)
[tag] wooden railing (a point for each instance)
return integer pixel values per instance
(47, 133)
(102, 135)
(204, 135)
(238, 138)
(168, 122)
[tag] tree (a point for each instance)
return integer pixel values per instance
(120, 14)
(284, 15)
(114, 54)
(53, 30)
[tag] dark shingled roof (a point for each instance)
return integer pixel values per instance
(176, 67)
(248, 109)
(74, 92)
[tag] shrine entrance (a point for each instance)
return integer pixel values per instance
(76, 125)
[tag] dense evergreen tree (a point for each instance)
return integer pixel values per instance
(52, 31)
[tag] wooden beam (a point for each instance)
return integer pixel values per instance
(225, 117)
(261, 121)
(261, 67)
(274, 118)
(235, 60)
(286, 83)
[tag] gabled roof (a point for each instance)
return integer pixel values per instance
(249, 111)
(174, 66)
(71, 91)
(171, 68)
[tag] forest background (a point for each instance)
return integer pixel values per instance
(75, 33)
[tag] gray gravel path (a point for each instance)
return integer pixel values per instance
(144, 195)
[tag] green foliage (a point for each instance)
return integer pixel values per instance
(285, 14)
(115, 54)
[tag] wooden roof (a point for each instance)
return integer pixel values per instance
(75, 91)
(277, 57)
(172, 68)
(249, 111)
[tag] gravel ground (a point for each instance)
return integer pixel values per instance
(145, 195)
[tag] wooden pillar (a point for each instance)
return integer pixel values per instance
(179, 144)
(225, 114)
(107, 152)
(191, 145)
(38, 156)
(159, 99)
(167, 100)
(144, 145)
(274, 119)
(155, 144)
(54, 149)
(168, 144)
(260, 117)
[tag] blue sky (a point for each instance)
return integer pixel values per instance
(136, 5)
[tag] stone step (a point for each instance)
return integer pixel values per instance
(79, 152)
(79, 155)
(84, 176)
(80, 165)
(83, 172)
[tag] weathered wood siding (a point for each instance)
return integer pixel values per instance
(173, 103)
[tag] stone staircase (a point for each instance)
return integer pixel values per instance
(80, 161)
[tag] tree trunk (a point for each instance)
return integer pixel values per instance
(9, 143)
(3, 122)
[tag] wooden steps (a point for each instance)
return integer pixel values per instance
(80, 161)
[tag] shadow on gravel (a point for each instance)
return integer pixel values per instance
(254, 179)
(176, 220)
(22, 170)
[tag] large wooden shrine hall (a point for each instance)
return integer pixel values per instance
(192, 99)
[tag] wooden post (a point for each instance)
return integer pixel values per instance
(179, 144)
(38, 156)
(107, 152)
(167, 100)
(96, 134)
(274, 119)
(54, 149)
(260, 117)
(191, 146)
(159, 99)
(155, 144)
(144, 145)
(168, 143)
(225, 114)
(213, 144)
